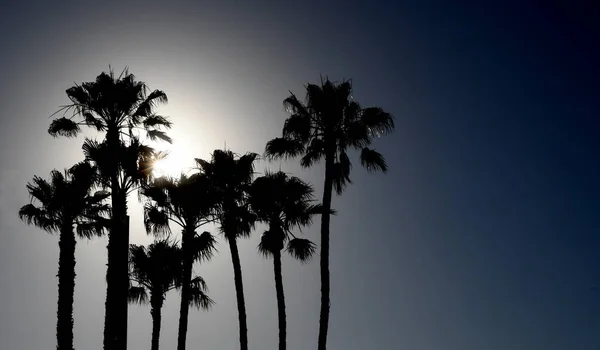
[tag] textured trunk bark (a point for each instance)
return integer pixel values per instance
(325, 221)
(66, 288)
(239, 291)
(156, 301)
(185, 288)
(280, 300)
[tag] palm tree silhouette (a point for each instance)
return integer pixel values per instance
(156, 270)
(116, 106)
(187, 203)
(326, 125)
(229, 179)
(283, 203)
(57, 206)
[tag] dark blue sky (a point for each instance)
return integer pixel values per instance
(485, 234)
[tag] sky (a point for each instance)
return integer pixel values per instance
(484, 234)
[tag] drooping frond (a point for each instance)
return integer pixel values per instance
(281, 147)
(341, 173)
(91, 229)
(270, 242)
(156, 120)
(156, 221)
(63, 127)
(198, 296)
(137, 295)
(377, 121)
(33, 215)
(297, 127)
(203, 246)
(301, 249)
(373, 160)
(155, 135)
(314, 152)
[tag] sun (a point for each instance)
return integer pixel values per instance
(172, 165)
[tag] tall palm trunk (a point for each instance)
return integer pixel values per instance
(156, 303)
(239, 291)
(66, 288)
(117, 273)
(280, 300)
(184, 310)
(325, 221)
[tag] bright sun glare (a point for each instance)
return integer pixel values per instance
(172, 165)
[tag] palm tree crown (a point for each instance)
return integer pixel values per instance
(112, 103)
(329, 123)
(65, 200)
(284, 203)
(229, 178)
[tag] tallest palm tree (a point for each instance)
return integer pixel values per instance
(327, 124)
(116, 106)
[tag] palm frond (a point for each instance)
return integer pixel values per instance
(203, 246)
(91, 229)
(270, 243)
(341, 173)
(281, 147)
(31, 214)
(297, 127)
(156, 120)
(198, 297)
(155, 135)
(137, 295)
(301, 249)
(373, 160)
(377, 120)
(63, 127)
(156, 221)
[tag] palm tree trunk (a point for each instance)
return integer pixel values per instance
(184, 309)
(280, 300)
(117, 274)
(66, 288)
(156, 303)
(239, 291)
(325, 221)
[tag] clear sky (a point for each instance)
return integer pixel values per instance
(483, 235)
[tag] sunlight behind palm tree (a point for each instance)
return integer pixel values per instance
(176, 160)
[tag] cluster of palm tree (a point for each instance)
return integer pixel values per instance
(223, 191)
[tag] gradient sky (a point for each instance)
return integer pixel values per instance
(483, 235)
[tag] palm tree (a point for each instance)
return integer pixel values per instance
(57, 206)
(156, 270)
(327, 125)
(283, 203)
(116, 106)
(185, 202)
(229, 178)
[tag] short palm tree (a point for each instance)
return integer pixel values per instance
(229, 179)
(65, 205)
(116, 106)
(186, 203)
(155, 270)
(326, 125)
(283, 203)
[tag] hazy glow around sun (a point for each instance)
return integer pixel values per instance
(175, 163)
